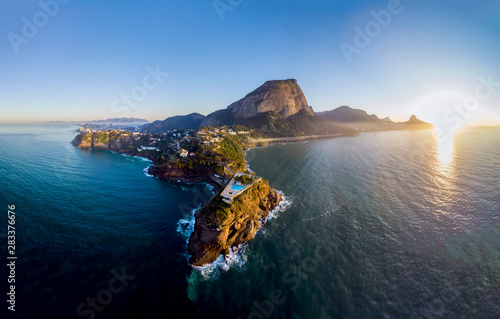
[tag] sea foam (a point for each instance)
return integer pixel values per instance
(236, 256)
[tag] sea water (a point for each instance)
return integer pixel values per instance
(384, 225)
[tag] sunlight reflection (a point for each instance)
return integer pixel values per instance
(444, 152)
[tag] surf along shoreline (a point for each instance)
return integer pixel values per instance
(212, 243)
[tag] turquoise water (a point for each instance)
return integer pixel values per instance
(81, 214)
(384, 225)
(237, 187)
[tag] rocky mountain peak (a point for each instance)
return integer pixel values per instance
(281, 96)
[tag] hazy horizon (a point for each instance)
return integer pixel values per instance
(153, 60)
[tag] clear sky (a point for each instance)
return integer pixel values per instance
(79, 60)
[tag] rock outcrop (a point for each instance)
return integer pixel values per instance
(283, 97)
(219, 226)
(105, 141)
(415, 123)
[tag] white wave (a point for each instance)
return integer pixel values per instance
(141, 158)
(235, 257)
(186, 226)
(146, 171)
(283, 205)
(210, 187)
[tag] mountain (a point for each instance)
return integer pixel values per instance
(283, 97)
(277, 108)
(346, 114)
(190, 121)
(360, 120)
(414, 122)
(121, 120)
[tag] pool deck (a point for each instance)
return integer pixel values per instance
(228, 194)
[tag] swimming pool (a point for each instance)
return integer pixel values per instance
(237, 188)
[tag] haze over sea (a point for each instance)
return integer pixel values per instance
(384, 225)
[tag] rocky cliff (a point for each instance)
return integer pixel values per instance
(105, 141)
(219, 226)
(283, 97)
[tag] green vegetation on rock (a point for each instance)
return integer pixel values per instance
(220, 225)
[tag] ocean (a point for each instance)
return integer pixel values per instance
(383, 225)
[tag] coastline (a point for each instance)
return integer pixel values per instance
(247, 226)
(207, 243)
(236, 253)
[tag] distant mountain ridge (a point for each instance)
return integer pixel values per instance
(185, 122)
(359, 119)
(346, 114)
(279, 108)
(121, 120)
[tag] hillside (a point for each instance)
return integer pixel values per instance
(220, 226)
(415, 123)
(284, 97)
(184, 122)
(121, 120)
(346, 114)
(358, 119)
(275, 109)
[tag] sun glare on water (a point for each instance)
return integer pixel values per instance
(445, 151)
(438, 108)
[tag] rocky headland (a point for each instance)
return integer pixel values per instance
(220, 226)
(276, 112)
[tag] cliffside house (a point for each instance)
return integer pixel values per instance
(234, 188)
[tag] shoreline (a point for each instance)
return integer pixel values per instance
(236, 252)
(198, 226)
(262, 142)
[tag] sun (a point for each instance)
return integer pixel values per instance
(439, 107)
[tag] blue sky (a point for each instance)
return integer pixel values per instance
(84, 58)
